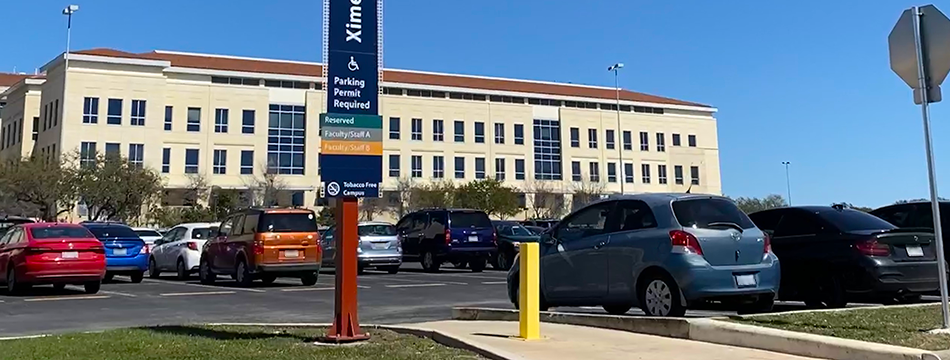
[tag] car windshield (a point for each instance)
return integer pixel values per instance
(60, 232)
(112, 231)
(848, 220)
(204, 233)
(464, 219)
(700, 213)
(518, 230)
(287, 222)
(6, 224)
(148, 233)
(377, 230)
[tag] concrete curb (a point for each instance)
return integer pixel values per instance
(831, 310)
(721, 332)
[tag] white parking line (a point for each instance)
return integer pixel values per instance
(418, 281)
(458, 275)
(199, 293)
(494, 283)
(203, 286)
(308, 289)
(413, 285)
(58, 298)
(78, 288)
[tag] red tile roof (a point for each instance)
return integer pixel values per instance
(462, 81)
(7, 79)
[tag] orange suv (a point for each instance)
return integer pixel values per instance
(263, 244)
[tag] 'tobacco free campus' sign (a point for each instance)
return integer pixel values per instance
(351, 154)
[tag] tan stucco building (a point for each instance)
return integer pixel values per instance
(232, 118)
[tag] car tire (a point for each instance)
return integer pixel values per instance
(108, 278)
(503, 260)
(153, 271)
(15, 287)
(309, 279)
(391, 269)
(660, 296)
(181, 271)
(204, 272)
(268, 279)
(828, 293)
(617, 309)
(542, 302)
(429, 262)
(59, 287)
(92, 287)
(137, 277)
(243, 274)
(478, 265)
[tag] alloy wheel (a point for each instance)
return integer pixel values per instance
(659, 299)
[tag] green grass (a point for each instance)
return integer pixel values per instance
(902, 326)
(223, 343)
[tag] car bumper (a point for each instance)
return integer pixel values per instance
(464, 254)
(288, 268)
(127, 264)
(72, 272)
(380, 260)
(699, 281)
(895, 277)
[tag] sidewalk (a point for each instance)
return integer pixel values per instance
(578, 342)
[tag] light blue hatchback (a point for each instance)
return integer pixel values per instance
(663, 253)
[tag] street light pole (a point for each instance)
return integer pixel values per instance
(788, 183)
(619, 133)
(68, 11)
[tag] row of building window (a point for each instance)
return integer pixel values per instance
(518, 100)
(137, 116)
(438, 167)
(593, 173)
(267, 83)
(88, 153)
(438, 131)
(12, 134)
(609, 141)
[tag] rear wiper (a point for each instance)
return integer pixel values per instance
(727, 224)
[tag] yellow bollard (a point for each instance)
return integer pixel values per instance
(529, 295)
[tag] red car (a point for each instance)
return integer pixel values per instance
(51, 253)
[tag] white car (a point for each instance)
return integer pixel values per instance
(180, 249)
(149, 236)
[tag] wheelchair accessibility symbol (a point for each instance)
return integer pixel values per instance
(352, 65)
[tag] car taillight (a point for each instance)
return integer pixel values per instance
(494, 238)
(872, 247)
(767, 242)
(144, 250)
(448, 237)
(98, 249)
(38, 249)
(259, 248)
(684, 242)
(192, 246)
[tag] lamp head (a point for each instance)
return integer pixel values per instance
(69, 10)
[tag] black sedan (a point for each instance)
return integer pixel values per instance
(510, 235)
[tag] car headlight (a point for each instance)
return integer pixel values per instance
(517, 245)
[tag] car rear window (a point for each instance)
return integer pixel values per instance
(60, 232)
(113, 231)
(149, 233)
(204, 233)
(468, 219)
(701, 212)
(287, 222)
(848, 220)
(377, 230)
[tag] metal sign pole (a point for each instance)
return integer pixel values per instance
(932, 174)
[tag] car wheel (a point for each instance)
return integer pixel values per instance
(268, 279)
(616, 309)
(828, 293)
(243, 274)
(137, 277)
(309, 279)
(181, 270)
(59, 287)
(503, 260)
(92, 287)
(659, 296)
(153, 271)
(14, 286)
(108, 278)
(204, 272)
(478, 265)
(429, 263)
(542, 302)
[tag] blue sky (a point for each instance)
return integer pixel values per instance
(805, 81)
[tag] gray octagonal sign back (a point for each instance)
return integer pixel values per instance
(935, 42)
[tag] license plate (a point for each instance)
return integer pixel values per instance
(291, 253)
(70, 255)
(379, 246)
(914, 250)
(745, 280)
(472, 238)
(119, 252)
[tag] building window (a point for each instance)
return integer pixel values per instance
(459, 167)
(394, 166)
(479, 168)
(628, 173)
(112, 150)
(609, 139)
(627, 140)
(247, 121)
(168, 118)
(691, 139)
(660, 142)
(137, 155)
(36, 128)
(438, 167)
(500, 169)
(87, 154)
(676, 139)
(55, 112)
(90, 110)
(286, 136)
(612, 172)
(438, 130)
(459, 131)
(547, 150)
(576, 171)
(166, 160)
(479, 132)
(137, 117)
(575, 137)
(247, 162)
(416, 163)
(592, 138)
(661, 173)
(194, 119)
(115, 112)
(393, 128)
(594, 172)
(519, 169)
(519, 134)
(694, 175)
(221, 120)
(644, 141)
(220, 164)
(286, 84)
(499, 133)
(645, 173)
(416, 129)
(191, 161)
(678, 174)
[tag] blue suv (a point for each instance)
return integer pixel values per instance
(126, 253)
(435, 236)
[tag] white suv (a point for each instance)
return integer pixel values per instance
(179, 249)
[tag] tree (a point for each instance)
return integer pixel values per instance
(547, 203)
(45, 188)
(488, 195)
(113, 188)
(372, 207)
(434, 195)
(848, 205)
(266, 187)
(750, 204)
(918, 200)
(586, 191)
(325, 217)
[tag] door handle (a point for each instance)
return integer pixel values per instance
(601, 244)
